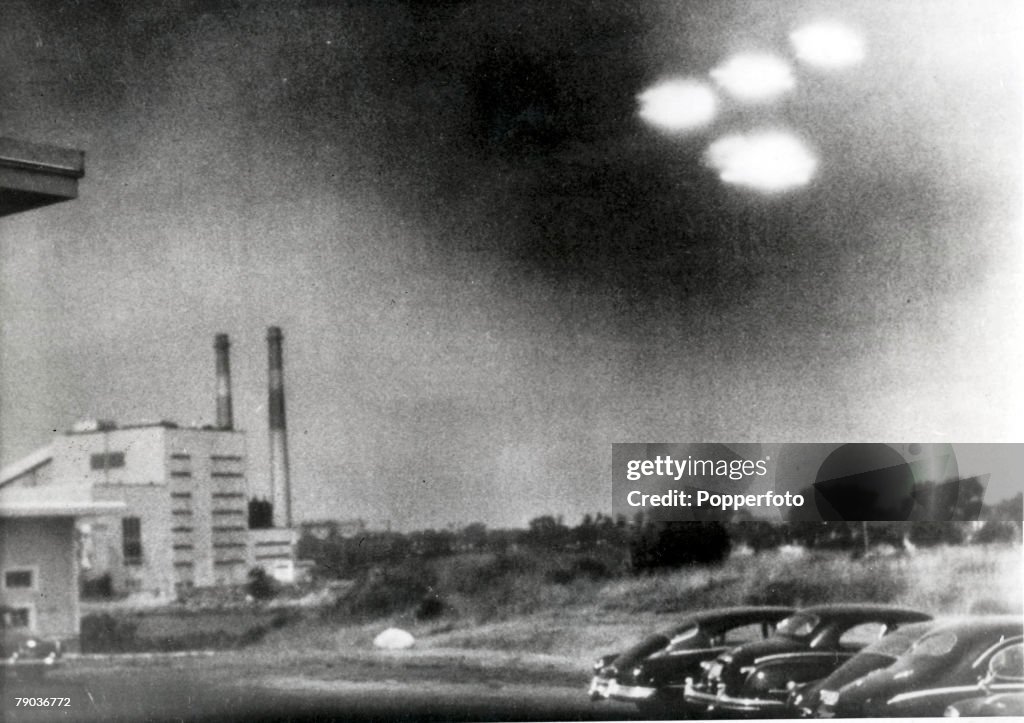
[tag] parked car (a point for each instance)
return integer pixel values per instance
(804, 699)
(755, 679)
(645, 673)
(25, 654)
(943, 667)
(1005, 672)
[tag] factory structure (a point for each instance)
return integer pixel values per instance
(184, 506)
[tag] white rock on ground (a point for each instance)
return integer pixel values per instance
(394, 639)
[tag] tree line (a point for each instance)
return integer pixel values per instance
(644, 544)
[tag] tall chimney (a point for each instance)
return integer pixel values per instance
(225, 418)
(279, 484)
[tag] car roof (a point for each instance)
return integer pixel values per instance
(857, 610)
(899, 641)
(740, 612)
(716, 617)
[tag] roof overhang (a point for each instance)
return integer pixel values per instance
(34, 175)
(54, 501)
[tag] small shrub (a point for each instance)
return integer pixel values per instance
(431, 608)
(261, 585)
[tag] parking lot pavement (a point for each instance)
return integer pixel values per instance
(233, 689)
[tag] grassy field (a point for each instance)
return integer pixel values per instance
(516, 606)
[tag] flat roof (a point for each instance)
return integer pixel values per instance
(109, 426)
(35, 174)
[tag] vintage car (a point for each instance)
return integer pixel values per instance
(1005, 672)
(23, 653)
(755, 679)
(645, 673)
(941, 668)
(804, 699)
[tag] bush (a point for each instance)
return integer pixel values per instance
(676, 544)
(997, 531)
(431, 608)
(384, 591)
(261, 585)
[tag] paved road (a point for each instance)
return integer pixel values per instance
(203, 690)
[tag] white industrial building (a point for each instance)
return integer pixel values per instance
(183, 494)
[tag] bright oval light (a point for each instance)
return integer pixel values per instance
(828, 45)
(769, 161)
(678, 105)
(754, 77)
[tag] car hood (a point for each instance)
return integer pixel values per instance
(675, 667)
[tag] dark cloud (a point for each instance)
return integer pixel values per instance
(478, 247)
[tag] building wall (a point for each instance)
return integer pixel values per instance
(187, 488)
(208, 491)
(45, 545)
(273, 550)
(152, 573)
(133, 455)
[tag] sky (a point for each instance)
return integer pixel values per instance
(487, 265)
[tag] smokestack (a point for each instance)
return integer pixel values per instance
(279, 484)
(225, 418)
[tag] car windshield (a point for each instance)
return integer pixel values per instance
(1009, 663)
(797, 626)
(933, 646)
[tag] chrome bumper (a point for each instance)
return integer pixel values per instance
(630, 693)
(598, 689)
(721, 701)
(17, 661)
(605, 688)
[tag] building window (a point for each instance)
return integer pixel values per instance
(131, 539)
(107, 460)
(16, 618)
(19, 579)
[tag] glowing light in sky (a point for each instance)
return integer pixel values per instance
(770, 161)
(755, 77)
(828, 45)
(678, 105)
